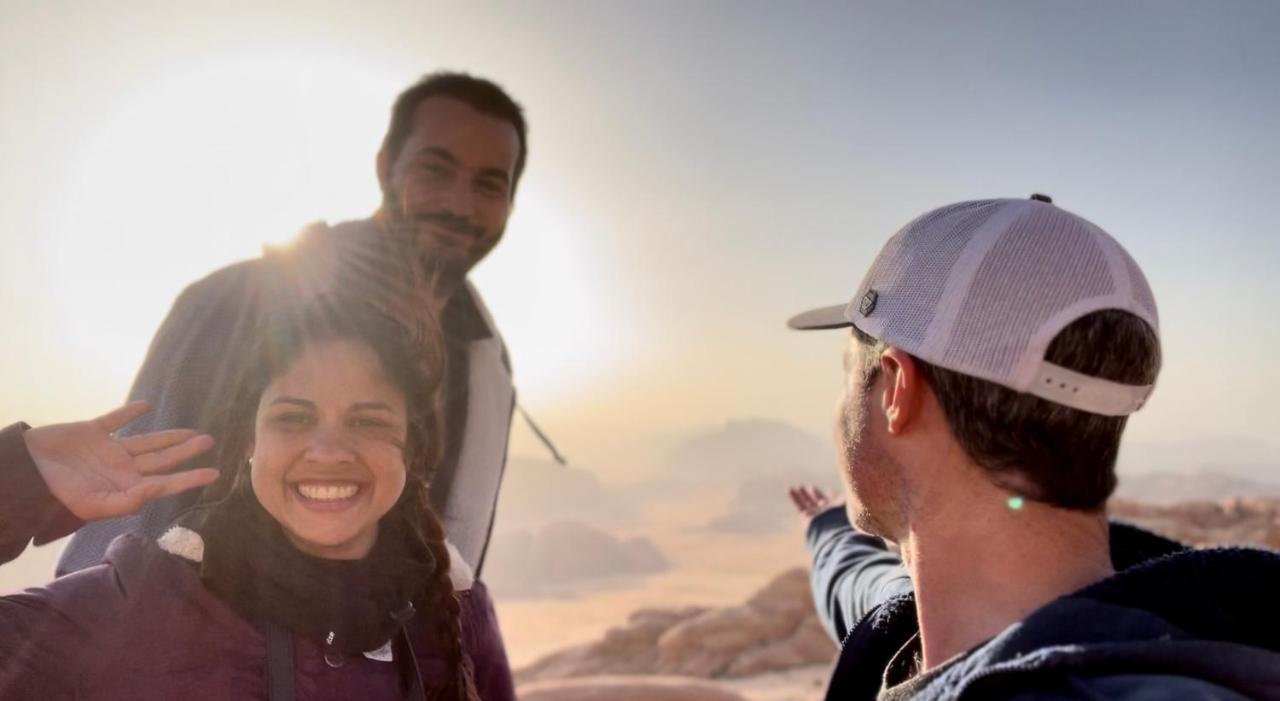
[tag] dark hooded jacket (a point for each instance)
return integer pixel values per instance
(1173, 623)
(143, 625)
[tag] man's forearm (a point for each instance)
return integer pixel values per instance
(852, 572)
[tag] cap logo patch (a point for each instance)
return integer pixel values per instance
(868, 303)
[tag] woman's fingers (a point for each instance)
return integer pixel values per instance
(159, 440)
(109, 504)
(114, 419)
(172, 456)
(157, 486)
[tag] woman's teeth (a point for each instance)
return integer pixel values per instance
(328, 492)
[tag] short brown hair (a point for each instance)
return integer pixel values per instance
(483, 95)
(1039, 449)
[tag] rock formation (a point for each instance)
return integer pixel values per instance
(775, 629)
(719, 653)
(626, 689)
(1235, 521)
(563, 554)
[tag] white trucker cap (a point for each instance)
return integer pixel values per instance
(982, 287)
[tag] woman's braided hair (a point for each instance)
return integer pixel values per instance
(385, 303)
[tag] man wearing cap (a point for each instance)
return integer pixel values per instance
(448, 167)
(996, 350)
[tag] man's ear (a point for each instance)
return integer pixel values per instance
(903, 389)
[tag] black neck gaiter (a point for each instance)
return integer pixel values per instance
(351, 605)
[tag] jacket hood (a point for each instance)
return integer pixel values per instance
(1194, 620)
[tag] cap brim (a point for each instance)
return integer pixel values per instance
(823, 318)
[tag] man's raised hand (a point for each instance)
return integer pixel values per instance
(97, 475)
(809, 501)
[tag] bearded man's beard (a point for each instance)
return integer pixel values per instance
(429, 260)
(447, 265)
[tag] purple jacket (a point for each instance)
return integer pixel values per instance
(141, 625)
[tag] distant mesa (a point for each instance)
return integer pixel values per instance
(561, 557)
(535, 493)
(754, 460)
(754, 449)
(759, 506)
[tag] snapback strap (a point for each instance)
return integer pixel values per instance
(1087, 393)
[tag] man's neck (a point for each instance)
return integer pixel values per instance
(979, 565)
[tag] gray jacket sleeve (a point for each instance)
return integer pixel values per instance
(189, 367)
(852, 572)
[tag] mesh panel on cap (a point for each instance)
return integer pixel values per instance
(911, 286)
(1022, 283)
(1141, 290)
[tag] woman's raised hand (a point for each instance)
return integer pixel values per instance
(97, 475)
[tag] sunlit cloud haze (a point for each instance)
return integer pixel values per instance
(698, 172)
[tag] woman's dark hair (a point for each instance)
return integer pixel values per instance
(412, 358)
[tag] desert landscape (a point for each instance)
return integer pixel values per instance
(686, 580)
(705, 595)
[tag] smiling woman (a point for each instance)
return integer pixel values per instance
(318, 535)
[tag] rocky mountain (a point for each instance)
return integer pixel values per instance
(536, 492)
(772, 647)
(754, 460)
(1166, 487)
(562, 556)
(759, 506)
(775, 629)
(1234, 521)
(649, 688)
(752, 449)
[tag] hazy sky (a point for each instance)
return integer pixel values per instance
(698, 172)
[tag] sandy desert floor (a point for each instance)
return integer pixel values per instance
(707, 568)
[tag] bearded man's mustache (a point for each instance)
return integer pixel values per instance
(450, 222)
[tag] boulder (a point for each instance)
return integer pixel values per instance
(808, 645)
(627, 649)
(776, 629)
(764, 629)
(626, 689)
(1235, 521)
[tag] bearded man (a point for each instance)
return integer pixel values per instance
(448, 168)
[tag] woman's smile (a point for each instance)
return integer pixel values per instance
(327, 496)
(328, 453)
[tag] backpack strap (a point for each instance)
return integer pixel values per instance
(416, 690)
(279, 663)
